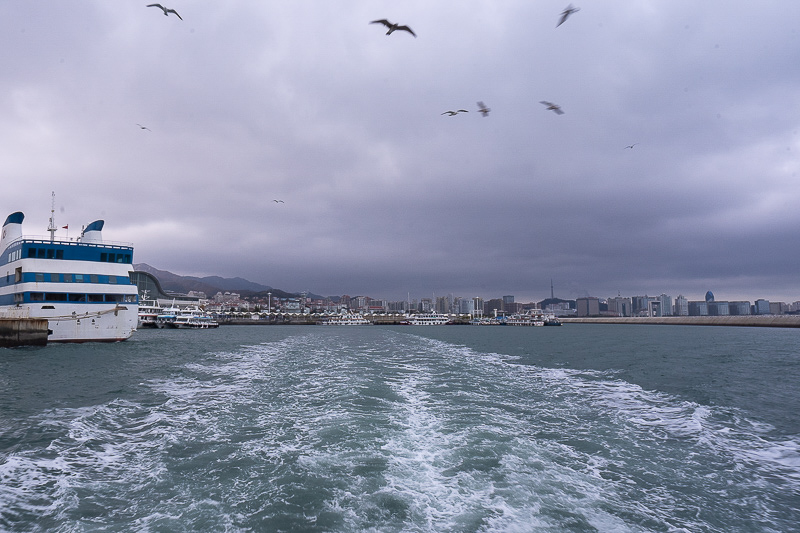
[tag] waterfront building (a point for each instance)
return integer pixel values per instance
(761, 307)
(697, 308)
(681, 307)
(466, 306)
(778, 308)
(665, 302)
(718, 308)
(739, 308)
(589, 306)
(619, 306)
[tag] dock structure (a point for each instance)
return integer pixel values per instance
(23, 332)
(765, 321)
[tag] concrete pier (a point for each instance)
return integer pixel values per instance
(23, 332)
(766, 321)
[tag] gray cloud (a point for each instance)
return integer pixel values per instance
(253, 101)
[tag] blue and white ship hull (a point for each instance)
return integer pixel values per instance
(82, 287)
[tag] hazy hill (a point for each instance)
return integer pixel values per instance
(209, 284)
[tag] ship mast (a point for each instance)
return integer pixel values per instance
(52, 228)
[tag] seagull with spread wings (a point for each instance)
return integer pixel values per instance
(393, 27)
(454, 113)
(552, 107)
(166, 10)
(566, 14)
(483, 110)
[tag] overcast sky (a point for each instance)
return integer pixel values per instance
(251, 101)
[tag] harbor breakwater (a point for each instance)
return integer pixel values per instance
(767, 321)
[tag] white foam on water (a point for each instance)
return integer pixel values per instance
(397, 433)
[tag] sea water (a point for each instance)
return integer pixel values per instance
(404, 428)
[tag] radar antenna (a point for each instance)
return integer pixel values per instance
(52, 228)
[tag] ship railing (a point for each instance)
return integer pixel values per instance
(41, 239)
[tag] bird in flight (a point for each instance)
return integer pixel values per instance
(483, 109)
(552, 107)
(166, 11)
(143, 127)
(631, 145)
(566, 14)
(454, 113)
(279, 201)
(392, 26)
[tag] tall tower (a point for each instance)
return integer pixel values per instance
(552, 296)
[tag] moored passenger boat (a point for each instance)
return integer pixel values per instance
(193, 318)
(346, 319)
(534, 317)
(148, 314)
(82, 286)
(428, 319)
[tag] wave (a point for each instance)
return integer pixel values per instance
(387, 431)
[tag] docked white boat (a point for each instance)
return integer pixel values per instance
(485, 321)
(428, 319)
(534, 317)
(193, 318)
(82, 286)
(149, 310)
(347, 319)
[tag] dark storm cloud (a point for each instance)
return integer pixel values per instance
(247, 102)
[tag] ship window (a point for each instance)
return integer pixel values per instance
(31, 252)
(51, 254)
(37, 297)
(112, 279)
(19, 297)
(103, 257)
(95, 297)
(78, 278)
(130, 298)
(40, 253)
(93, 278)
(113, 297)
(59, 254)
(55, 297)
(18, 275)
(39, 276)
(74, 297)
(68, 278)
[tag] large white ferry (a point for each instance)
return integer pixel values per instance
(428, 319)
(82, 286)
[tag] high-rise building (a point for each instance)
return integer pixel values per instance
(619, 306)
(698, 308)
(761, 307)
(681, 307)
(739, 308)
(589, 306)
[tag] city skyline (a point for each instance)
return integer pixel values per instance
(298, 145)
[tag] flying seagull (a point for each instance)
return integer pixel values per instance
(165, 10)
(279, 201)
(552, 107)
(392, 26)
(631, 145)
(483, 109)
(454, 113)
(566, 14)
(144, 127)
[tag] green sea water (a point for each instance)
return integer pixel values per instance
(444, 428)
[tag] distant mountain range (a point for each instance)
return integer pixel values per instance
(209, 284)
